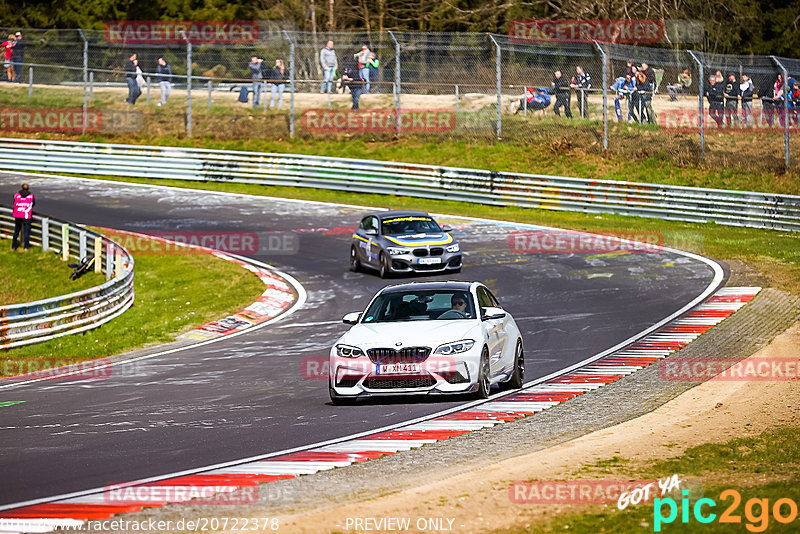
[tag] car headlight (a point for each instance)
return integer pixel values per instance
(396, 251)
(346, 351)
(453, 248)
(455, 347)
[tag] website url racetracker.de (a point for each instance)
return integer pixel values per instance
(198, 524)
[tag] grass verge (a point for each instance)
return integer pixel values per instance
(174, 293)
(37, 275)
(761, 467)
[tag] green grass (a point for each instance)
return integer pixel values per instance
(773, 458)
(37, 275)
(174, 293)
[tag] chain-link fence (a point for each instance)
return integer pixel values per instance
(439, 86)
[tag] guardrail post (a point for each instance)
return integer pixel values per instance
(82, 248)
(291, 83)
(397, 81)
(499, 88)
(147, 99)
(456, 99)
(785, 111)
(109, 261)
(700, 87)
(210, 88)
(98, 254)
(85, 77)
(45, 233)
(91, 86)
(188, 85)
(30, 82)
(64, 242)
(605, 94)
(117, 263)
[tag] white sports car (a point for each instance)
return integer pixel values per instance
(427, 338)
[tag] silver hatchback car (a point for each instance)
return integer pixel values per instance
(403, 242)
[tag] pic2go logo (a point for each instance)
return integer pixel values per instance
(756, 511)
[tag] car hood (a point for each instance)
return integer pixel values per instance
(416, 240)
(411, 333)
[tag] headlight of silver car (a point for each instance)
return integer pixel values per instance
(346, 351)
(396, 251)
(455, 347)
(453, 248)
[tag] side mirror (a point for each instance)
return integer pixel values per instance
(446, 228)
(492, 313)
(352, 318)
(371, 231)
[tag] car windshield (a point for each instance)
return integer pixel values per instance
(415, 224)
(421, 305)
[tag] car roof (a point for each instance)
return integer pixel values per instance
(396, 213)
(448, 285)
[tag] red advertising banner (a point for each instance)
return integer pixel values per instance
(586, 31)
(132, 32)
(68, 120)
(378, 120)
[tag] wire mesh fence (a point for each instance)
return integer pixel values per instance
(638, 101)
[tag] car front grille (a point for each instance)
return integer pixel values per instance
(420, 252)
(399, 382)
(405, 355)
(437, 251)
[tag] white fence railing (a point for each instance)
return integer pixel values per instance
(694, 204)
(33, 322)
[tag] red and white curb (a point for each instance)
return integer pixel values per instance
(646, 351)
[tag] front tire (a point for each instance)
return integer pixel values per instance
(383, 266)
(355, 263)
(483, 376)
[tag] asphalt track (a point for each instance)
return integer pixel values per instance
(247, 396)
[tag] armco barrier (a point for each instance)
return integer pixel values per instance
(736, 208)
(33, 322)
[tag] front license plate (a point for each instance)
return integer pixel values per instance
(430, 261)
(399, 369)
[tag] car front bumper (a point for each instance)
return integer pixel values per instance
(407, 263)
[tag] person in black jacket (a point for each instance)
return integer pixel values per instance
(715, 97)
(130, 78)
(164, 72)
(560, 87)
(731, 93)
(278, 76)
(18, 56)
(351, 78)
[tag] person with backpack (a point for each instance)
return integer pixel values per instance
(23, 214)
(351, 78)
(131, 66)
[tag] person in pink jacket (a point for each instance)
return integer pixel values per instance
(23, 214)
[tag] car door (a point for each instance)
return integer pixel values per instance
(506, 339)
(366, 248)
(494, 330)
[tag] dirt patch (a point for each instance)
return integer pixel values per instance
(478, 499)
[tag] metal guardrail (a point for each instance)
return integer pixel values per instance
(42, 320)
(693, 204)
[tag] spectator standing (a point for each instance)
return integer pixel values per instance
(647, 92)
(731, 93)
(629, 68)
(715, 97)
(560, 88)
(373, 64)
(8, 65)
(777, 100)
(351, 78)
(582, 83)
(794, 104)
(684, 82)
(164, 73)
(278, 77)
(629, 90)
(363, 65)
(131, 67)
(257, 75)
(329, 64)
(18, 56)
(746, 97)
(23, 213)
